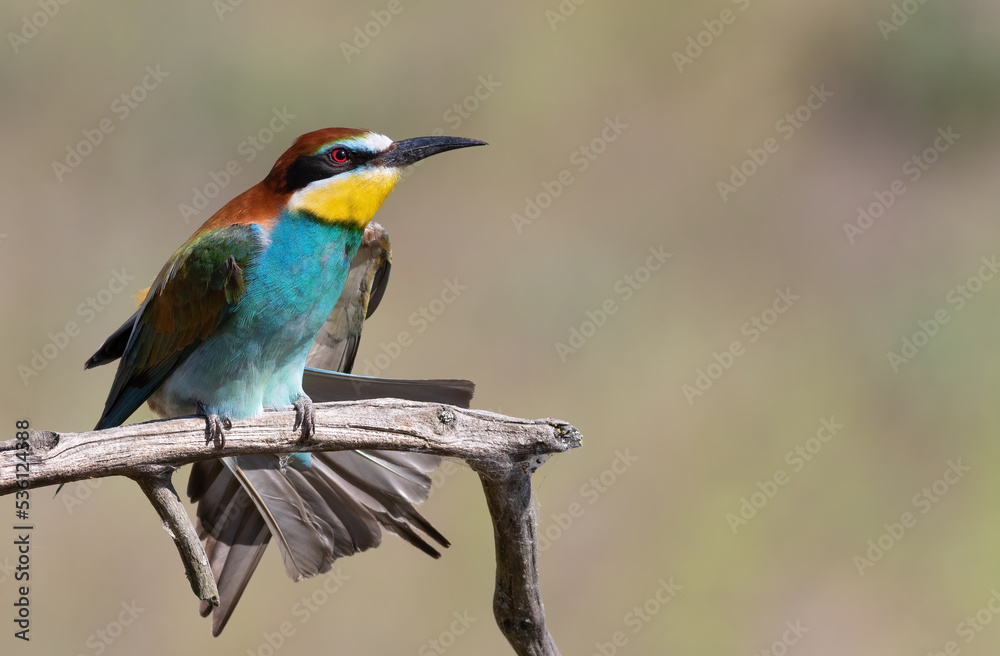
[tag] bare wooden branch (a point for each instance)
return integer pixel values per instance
(160, 492)
(517, 598)
(504, 451)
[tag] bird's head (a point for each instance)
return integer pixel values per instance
(342, 175)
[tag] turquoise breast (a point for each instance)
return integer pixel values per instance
(255, 360)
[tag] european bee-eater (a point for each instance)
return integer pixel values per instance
(225, 332)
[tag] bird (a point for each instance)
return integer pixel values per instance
(370, 488)
(226, 329)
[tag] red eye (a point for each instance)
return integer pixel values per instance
(339, 155)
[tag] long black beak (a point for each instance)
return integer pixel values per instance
(406, 152)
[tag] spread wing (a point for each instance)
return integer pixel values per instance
(195, 293)
(336, 345)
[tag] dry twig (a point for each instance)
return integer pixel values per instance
(504, 451)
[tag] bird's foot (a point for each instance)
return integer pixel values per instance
(305, 416)
(215, 426)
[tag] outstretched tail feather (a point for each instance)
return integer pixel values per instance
(404, 531)
(304, 547)
(235, 539)
(351, 496)
(353, 528)
(322, 385)
(345, 495)
(233, 559)
(381, 490)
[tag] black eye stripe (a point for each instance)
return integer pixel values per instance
(310, 168)
(307, 169)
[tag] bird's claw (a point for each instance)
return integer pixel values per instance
(215, 427)
(305, 416)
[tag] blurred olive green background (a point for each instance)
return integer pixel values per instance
(613, 534)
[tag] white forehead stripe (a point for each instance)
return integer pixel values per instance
(372, 142)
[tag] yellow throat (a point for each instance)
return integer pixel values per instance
(351, 197)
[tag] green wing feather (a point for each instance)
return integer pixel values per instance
(195, 293)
